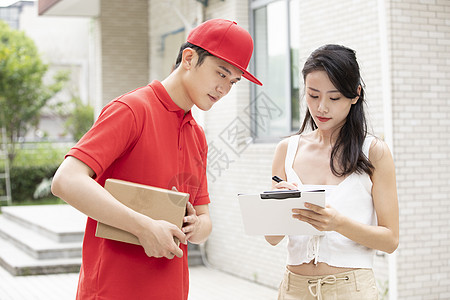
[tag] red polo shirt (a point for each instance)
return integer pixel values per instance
(143, 137)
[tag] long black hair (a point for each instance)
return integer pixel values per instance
(340, 64)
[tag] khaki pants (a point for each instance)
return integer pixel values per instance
(358, 284)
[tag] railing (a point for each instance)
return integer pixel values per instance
(5, 176)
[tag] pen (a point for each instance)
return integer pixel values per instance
(277, 179)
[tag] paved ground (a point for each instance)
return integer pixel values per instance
(206, 284)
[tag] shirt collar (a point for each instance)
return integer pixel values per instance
(163, 96)
(168, 103)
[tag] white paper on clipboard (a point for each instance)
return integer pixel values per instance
(270, 213)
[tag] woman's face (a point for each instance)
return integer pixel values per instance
(327, 106)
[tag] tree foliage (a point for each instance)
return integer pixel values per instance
(80, 119)
(23, 92)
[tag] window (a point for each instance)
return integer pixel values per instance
(275, 109)
(10, 15)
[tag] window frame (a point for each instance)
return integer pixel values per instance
(254, 5)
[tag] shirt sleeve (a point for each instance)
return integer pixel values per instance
(203, 195)
(111, 135)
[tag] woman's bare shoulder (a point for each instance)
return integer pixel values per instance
(379, 150)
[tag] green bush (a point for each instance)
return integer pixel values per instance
(80, 120)
(24, 180)
(40, 154)
(33, 163)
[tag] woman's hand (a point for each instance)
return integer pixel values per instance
(284, 185)
(322, 218)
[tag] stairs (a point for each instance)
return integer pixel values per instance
(47, 239)
(44, 239)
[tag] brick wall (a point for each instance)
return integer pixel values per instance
(124, 46)
(421, 111)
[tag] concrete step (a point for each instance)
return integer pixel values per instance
(34, 244)
(47, 239)
(37, 240)
(61, 223)
(18, 263)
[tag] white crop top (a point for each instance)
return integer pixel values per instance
(353, 198)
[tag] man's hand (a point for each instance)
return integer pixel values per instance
(159, 242)
(191, 221)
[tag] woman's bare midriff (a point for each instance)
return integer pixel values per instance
(313, 269)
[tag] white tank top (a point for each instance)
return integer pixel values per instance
(353, 198)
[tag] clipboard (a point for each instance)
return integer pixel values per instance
(270, 213)
(156, 203)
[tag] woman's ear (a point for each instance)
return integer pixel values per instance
(187, 58)
(354, 100)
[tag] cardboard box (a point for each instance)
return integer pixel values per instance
(157, 203)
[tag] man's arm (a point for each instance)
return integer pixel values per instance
(74, 184)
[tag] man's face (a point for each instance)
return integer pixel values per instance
(210, 81)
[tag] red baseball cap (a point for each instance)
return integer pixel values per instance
(225, 40)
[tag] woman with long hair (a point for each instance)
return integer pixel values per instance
(334, 151)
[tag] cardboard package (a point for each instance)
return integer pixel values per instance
(157, 203)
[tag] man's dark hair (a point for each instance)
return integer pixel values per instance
(202, 53)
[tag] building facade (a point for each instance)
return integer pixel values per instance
(403, 48)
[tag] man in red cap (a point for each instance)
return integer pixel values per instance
(149, 136)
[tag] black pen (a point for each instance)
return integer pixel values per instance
(277, 179)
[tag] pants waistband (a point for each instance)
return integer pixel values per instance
(314, 283)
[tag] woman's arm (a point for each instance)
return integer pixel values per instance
(384, 194)
(278, 170)
(385, 236)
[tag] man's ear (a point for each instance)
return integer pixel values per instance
(188, 58)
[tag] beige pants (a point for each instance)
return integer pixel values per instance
(358, 284)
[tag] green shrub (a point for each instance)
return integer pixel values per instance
(33, 163)
(80, 120)
(25, 179)
(40, 154)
